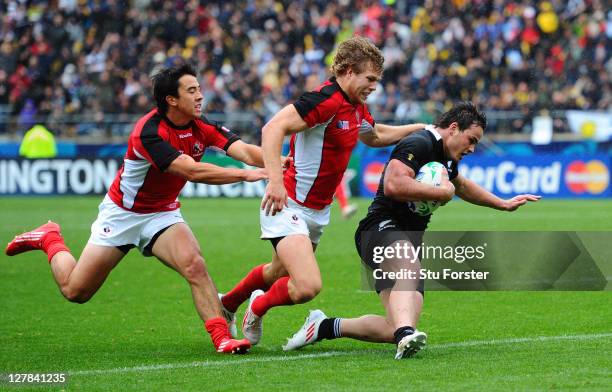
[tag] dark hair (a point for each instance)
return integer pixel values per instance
(464, 114)
(166, 82)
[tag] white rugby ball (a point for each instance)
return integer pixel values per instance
(430, 173)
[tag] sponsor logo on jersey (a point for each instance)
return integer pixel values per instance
(184, 135)
(385, 225)
(343, 124)
(198, 149)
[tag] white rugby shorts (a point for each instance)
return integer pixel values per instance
(117, 227)
(295, 219)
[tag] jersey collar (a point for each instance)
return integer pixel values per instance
(335, 82)
(173, 125)
(439, 142)
(432, 128)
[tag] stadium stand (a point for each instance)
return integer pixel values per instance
(87, 63)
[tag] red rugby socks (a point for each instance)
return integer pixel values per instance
(277, 295)
(253, 281)
(53, 243)
(218, 330)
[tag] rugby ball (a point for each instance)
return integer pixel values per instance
(430, 173)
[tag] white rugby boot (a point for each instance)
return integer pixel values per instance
(308, 333)
(252, 325)
(411, 344)
(230, 317)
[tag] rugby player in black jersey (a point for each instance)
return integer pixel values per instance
(390, 223)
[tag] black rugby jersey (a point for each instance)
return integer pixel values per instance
(415, 150)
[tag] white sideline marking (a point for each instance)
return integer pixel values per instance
(206, 363)
(220, 363)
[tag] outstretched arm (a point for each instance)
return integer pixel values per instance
(473, 193)
(187, 168)
(383, 135)
(250, 154)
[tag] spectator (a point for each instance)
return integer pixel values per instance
(255, 56)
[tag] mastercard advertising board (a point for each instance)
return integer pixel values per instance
(551, 175)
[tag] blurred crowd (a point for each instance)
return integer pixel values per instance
(95, 57)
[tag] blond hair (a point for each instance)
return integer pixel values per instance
(355, 53)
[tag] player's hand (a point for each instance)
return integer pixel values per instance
(275, 198)
(519, 200)
(256, 175)
(448, 188)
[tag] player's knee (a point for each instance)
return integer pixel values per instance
(76, 295)
(307, 291)
(194, 269)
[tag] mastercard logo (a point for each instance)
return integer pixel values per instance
(582, 177)
(371, 175)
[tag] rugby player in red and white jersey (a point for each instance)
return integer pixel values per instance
(324, 125)
(141, 208)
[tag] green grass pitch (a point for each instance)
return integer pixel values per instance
(141, 332)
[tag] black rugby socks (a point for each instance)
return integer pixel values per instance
(401, 333)
(329, 329)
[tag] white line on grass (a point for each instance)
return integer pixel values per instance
(283, 358)
(219, 363)
(496, 342)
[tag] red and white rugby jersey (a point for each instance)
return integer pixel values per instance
(322, 152)
(142, 185)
